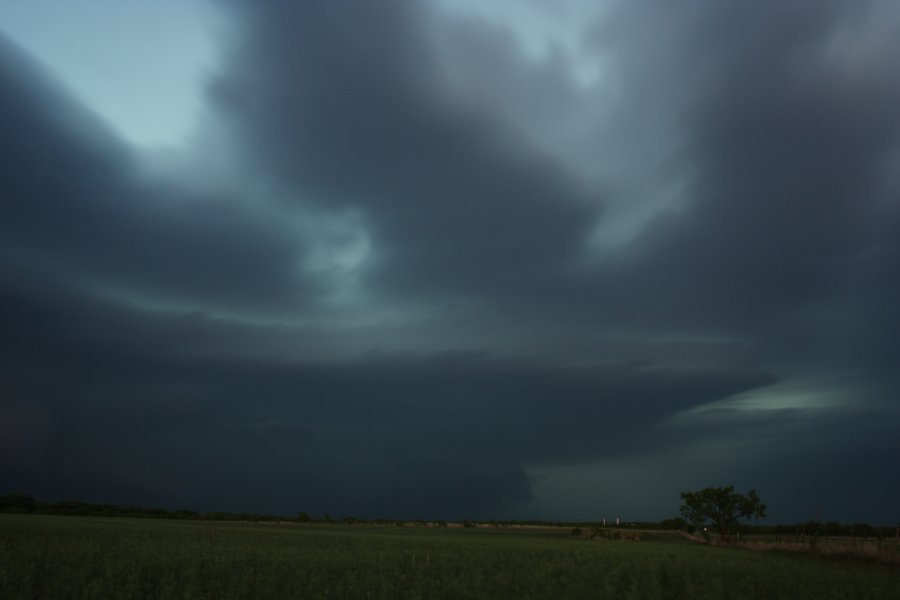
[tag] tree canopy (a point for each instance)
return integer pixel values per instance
(721, 506)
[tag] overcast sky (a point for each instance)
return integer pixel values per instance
(451, 258)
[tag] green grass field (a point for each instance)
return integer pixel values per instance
(83, 557)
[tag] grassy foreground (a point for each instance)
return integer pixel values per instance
(84, 557)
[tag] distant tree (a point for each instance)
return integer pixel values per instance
(862, 530)
(831, 528)
(184, 514)
(302, 517)
(721, 506)
(676, 523)
(17, 502)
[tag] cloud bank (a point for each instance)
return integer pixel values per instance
(409, 266)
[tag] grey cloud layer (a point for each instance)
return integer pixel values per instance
(452, 201)
(75, 208)
(191, 343)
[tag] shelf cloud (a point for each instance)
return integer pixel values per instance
(417, 260)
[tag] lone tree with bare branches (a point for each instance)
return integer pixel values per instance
(721, 506)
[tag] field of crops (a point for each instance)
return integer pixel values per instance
(82, 557)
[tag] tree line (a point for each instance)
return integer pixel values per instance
(722, 509)
(22, 503)
(25, 503)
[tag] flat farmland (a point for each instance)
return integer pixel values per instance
(84, 557)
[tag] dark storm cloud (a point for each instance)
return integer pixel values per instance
(786, 234)
(75, 208)
(807, 459)
(347, 105)
(784, 144)
(787, 141)
(376, 436)
(165, 346)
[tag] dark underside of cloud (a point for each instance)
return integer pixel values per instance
(416, 317)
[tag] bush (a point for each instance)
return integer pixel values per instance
(17, 503)
(674, 524)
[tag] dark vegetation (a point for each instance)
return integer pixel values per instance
(44, 556)
(20, 503)
(723, 507)
(24, 503)
(62, 550)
